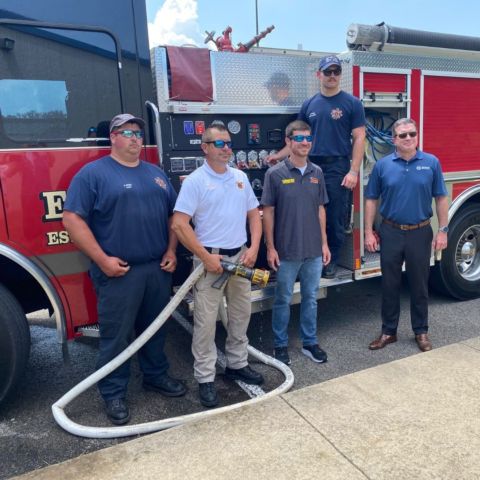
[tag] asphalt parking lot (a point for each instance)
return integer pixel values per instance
(348, 321)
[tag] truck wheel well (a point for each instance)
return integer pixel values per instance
(28, 292)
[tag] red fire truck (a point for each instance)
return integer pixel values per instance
(69, 67)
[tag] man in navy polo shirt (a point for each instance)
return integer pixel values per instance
(117, 212)
(337, 120)
(406, 181)
(293, 202)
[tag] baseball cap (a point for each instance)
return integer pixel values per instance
(328, 61)
(122, 118)
(278, 79)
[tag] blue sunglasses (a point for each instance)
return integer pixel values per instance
(301, 138)
(129, 133)
(220, 143)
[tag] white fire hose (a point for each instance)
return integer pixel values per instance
(58, 408)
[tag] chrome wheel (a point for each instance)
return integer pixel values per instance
(467, 254)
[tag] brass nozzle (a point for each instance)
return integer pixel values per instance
(260, 277)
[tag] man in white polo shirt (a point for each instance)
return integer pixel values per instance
(219, 200)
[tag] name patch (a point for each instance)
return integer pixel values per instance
(286, 181)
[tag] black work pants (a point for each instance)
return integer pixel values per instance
(126, 307)
(413, 247)
(336, 209)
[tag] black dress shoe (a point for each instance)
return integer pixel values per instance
(329, 271)
(166, 385)
(208, 394)
(245, 374)
(117, 411)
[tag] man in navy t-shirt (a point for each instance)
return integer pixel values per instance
(337, 120)
(117, 212)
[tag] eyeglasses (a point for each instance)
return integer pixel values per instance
(138, 134)
(301, 138)
(404, 135)
(333, 71)
(220, 143)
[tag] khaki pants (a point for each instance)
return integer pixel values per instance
(207, 301)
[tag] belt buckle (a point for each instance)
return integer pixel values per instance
(404, 227)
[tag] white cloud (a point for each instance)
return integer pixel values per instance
(176, 24)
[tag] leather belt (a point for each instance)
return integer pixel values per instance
(229, 252)
(407, 227)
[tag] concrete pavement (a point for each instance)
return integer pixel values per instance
(415, 418)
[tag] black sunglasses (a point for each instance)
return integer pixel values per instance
(404, 135)
(333, 71)
(220, 143)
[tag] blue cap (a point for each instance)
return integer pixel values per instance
(328, 61)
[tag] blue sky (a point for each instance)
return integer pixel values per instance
(316, 25)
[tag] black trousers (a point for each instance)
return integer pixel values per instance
(334, 170)
(126, 307)
(413, 247)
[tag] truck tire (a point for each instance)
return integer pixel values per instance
(14, 342)
(458, 272)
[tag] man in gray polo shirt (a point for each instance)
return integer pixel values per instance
(293, 202)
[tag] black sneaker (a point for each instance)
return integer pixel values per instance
(315, 353)
(329, 271)
(208, 394)
(166, 385)
(117, 411)
(281, 354)
(245, 374)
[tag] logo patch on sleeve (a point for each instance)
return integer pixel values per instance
(160, 182)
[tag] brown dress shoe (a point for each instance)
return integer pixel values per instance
(382, 341)
(423, 342)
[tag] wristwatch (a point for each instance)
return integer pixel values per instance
(443, 229)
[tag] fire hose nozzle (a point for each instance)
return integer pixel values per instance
(256, 275)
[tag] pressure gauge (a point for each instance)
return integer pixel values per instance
(234, 127)
(241, 157)
(262, 156)
(253, 159)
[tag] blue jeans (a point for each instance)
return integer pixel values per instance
(309, 272)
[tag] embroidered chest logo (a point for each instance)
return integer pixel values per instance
(336, 113)
(240, 185)
(423, 168)
(287, 181)
(313, 180)
(160, 182)
(127, 185)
